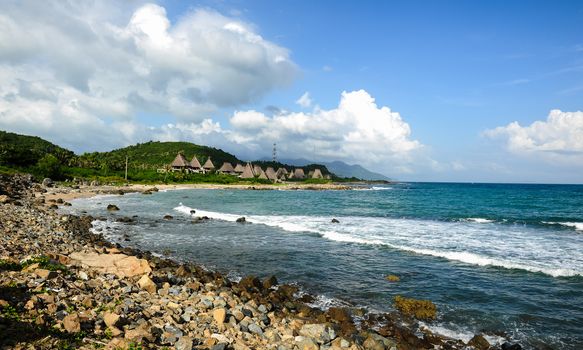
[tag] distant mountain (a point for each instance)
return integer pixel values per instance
(341, 169)
(24, 151)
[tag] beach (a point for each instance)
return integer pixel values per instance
(65, 287)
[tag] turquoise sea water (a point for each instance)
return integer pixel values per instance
(505, 260)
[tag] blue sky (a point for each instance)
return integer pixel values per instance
(458, 73)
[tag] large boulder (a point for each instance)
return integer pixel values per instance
(120, 265)
(147, 284)
(321, 333)
(47, 182)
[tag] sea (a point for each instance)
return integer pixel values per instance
(503, 260)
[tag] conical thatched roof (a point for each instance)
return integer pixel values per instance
(195, 163)
(247, 172)
(285, 171)
(317, 174)
(208, 165)
(262, 174)
(281, 173)
(227, 168)
(299, 173)
(271, 175)
(257, 170)
(239, 168)
(310, 173)
(179, 161)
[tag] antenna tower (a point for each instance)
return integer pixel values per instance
(274, 154)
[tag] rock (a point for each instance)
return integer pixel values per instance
(511, 346)
(335, 221)
(319, 332)
(168, 217)
(45, 274)
(110, 318)
(94, 183)
(420, 309)
(269, 282)
(4, 199)
(255, 329)
(250, 282)
(479, 342)
(378, 342)
(241, 219)
(59, 200)
(192, 212)
(47, 182)
(306, 343)
(71, 323)
(124, 219)
(220, 315)
(147, 284)
(184, 343)
(339, 314)
(112, 207)
(137, 334)
(219, 346)
(392, 278)
(120, 265)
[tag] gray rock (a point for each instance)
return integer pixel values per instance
(319, 332)
(184, 343)
(255, 329)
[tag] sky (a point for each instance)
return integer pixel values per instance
(471, 91)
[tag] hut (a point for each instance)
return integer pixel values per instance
(317, 174)
(262, 175)
(247, 172)
(257, 170)
(195, 165)
(271, 174)
(281, 173)
(239, 168)
(208, 165)
(180, 163)
(299, 173)
(227, 168)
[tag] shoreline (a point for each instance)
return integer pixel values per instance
(253, 314)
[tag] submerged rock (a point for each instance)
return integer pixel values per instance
(479, 342)
(420, 309)
(392, 278)
(168, 217)
(335, 221)
(112, 207)
(511, 346)
(241, 219)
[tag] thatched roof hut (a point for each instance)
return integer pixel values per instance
(257, 170)
(262, 174)
(179, 162)
(299, 173)
(271, 174)
(195, 164)
(239, 168)
(281, 173)
(317, 174)
(247, 172)
(208, 165)
(227, 168)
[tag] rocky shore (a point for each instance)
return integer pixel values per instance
(62, 287)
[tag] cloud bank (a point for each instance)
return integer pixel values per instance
(558, 138)
(73, 70)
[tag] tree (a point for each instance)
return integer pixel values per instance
(49, 166)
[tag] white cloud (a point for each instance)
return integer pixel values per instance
(560, 137)
(79, 71)
(356, 131)
(305, 100)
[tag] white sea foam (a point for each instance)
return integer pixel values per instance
(479, 220)
(482, 245)
(459, 333)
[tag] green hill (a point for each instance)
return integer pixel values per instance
(24, 151)
(152, 155)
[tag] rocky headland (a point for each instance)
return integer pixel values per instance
(63, 287)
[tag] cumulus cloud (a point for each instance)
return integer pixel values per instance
(305, 100)
(357, 130)
(559, 137)
(69, 70)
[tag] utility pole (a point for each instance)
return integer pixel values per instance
(274, 153)
(126, 168)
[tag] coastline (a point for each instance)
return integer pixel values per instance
(251, 314)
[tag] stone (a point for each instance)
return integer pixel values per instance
(250, 282)
(319, 332)
(71, 323)
(255, 329)
(120, 265)
(241, 219)
(306, 343)
(269, 282)
(184, 343)
(47, 182)
(339, 314)
(220, 315)
(479, 342)
(511, 346)
(335, 221)
(137, 334)
(112, 207)
(110, 318)
(147, 284)
(45, 274)
(4, 199)
(192, 212)
(168, 217)
(219, 346)
(83, 275)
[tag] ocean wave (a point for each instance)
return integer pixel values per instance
(455, 241)
(578, 226)
(479, 220)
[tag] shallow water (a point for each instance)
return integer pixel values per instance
(499, 259)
